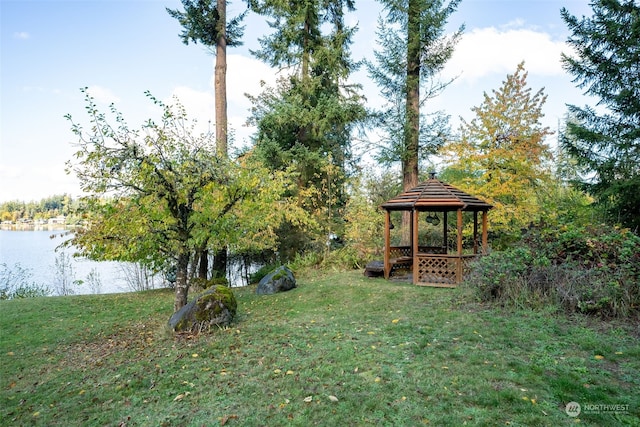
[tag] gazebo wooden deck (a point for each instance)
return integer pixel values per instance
(434, 265)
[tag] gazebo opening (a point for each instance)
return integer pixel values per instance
(429, 243)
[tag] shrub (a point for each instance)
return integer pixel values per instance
(16, 283)
(591, 270)
(347, 258)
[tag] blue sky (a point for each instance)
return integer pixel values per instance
(121, 48)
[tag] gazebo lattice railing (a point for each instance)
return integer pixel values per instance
(434, 265)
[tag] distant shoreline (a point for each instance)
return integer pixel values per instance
(38, 227)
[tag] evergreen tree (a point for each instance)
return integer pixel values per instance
(205, 22)
(414, 49)
(606, 139)
(306, 121)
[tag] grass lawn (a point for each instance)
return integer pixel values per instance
(340, 350)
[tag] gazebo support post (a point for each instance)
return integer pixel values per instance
(485, 244)
(414, 245)
(459, 238)
(475, 232)
(445, 230)
(387, 243)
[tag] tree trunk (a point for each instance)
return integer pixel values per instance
(220, 263)
(220, 258)
(203, 267)
(412, 119)
(182, 281)
(221, 81)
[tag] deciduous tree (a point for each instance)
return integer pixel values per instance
(502, 155)
(159, 194)
(205, 22)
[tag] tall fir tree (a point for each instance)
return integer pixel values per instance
(606, 139)
(414, 50)
(307, 121)
(205, 22)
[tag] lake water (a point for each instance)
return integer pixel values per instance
(35, 250)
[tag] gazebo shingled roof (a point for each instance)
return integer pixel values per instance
(433, 194)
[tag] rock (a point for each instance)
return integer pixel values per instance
(198, 285)
(279, 280)
(215, 307)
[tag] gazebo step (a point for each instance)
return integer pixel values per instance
(374, 269)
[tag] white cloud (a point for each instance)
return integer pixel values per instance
(489, 50)
(244, 75)
(35, 182)
(9, 172)
(21, 35)
(198, 105)
(102, 95)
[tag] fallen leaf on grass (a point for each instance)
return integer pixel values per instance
(598, 357)
(308, 399)
(226, 418)
(395, 320)
(333, 398)
(181, 396)
(284, 404)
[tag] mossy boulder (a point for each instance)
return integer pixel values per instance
(279, 280)
(198, 284)
(215, 307)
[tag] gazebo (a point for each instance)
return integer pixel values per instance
(434, 265)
